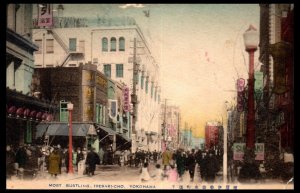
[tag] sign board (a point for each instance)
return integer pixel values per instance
(126, 99)
(113, 108)
(239, 149)
(45, 15)
(258, 85)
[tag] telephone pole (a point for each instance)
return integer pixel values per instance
(134, 95)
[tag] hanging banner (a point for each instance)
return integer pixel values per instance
(45, 15)
(126, 99)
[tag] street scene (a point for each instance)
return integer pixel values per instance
(150, 96)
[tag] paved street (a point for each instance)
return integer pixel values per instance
(116, 177)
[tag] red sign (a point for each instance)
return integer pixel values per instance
(126, 99)
(45, 15)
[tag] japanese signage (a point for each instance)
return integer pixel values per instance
(258, 85)
(45, 15)
(126, 99)
(113, 109)
(239, 149)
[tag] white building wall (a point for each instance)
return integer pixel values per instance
(92, 37)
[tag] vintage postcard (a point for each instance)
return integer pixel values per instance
(149, 96)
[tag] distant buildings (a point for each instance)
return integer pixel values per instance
(170, 121)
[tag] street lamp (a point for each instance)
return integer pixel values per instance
(70, 108)
(251, 40)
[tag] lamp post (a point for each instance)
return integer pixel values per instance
(251, 40)
(70, 108)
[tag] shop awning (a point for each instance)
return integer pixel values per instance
(107, 130)
(62, 129)
(124, 136)
(41, 129)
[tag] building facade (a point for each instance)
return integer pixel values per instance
(24, 108)
(276, 55)
(113, 47)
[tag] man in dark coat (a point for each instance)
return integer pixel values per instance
(180, 162)
(21, 156)
(91, 160)
(211, 167)
(191, 163)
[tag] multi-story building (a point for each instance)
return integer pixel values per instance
(117, 47)
(92, 95)
(25, 109)
(276, 54)
(213, 136)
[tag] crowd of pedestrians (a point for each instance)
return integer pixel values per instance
(176, 163)
(28, 161)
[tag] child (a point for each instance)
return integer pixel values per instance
(145, 174)
(172, 174)
(159, 173)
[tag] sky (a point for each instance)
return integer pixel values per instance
(198, 47)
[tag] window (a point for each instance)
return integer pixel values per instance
(121, 44)
(107, 70)
(49, 65)
(72, 44)
(39, 44)
(81, 46)
(63, 115)
(99, 118)
(147, 81)
(72, 65)
(119, 70)
(113, 44)
(142, 81)
(49, 46)
(104, 45)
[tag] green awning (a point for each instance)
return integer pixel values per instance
(62, 129)
(41, 129)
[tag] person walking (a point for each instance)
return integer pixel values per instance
(101, 155)
(79, 157)
(191, 163)
(91, 160)
(172, 174)
(211, 167)
(54, 162)
(166, 158)
(144, 176)
(180, 163)
(21, 156)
